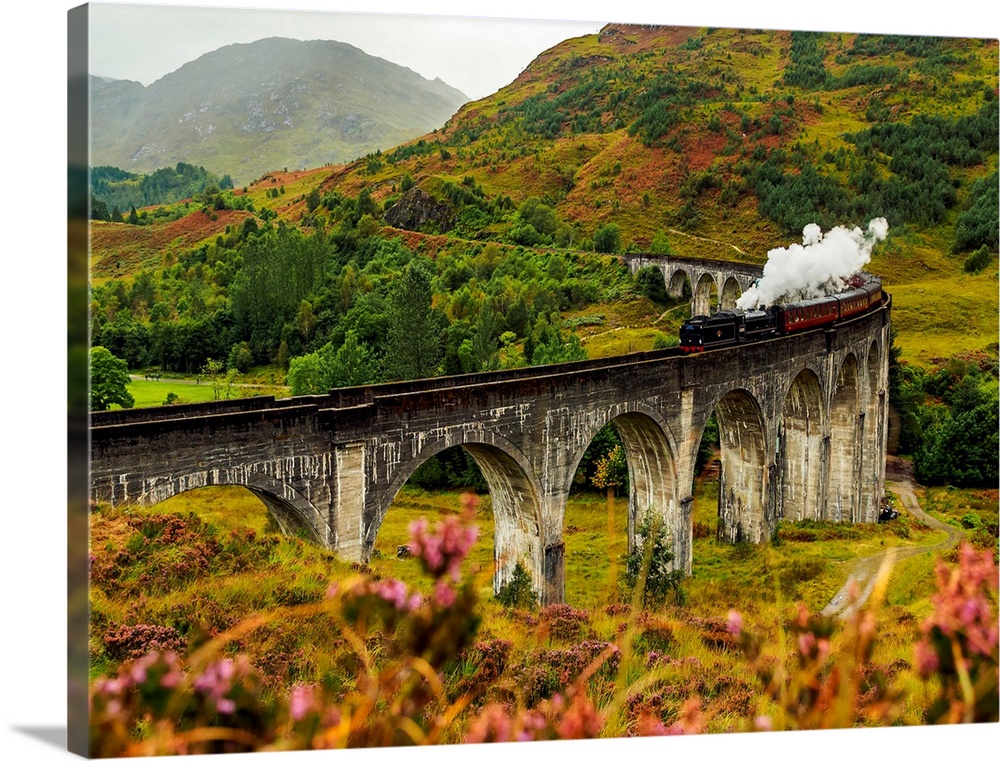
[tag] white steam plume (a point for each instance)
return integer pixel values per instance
(819, 267)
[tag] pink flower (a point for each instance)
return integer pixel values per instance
(443, 548)
(763, 724)
(392, 590)
(650, 726)
(691, 721)
(302, 701)
(927, 659)
(581, 720)
(217, 679)
(444, 595)
(734, 623)
(492, 725)
(171, 679)
(807, 642)
(963, 613)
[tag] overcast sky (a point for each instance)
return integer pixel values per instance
(476, 55)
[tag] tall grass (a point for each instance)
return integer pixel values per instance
(208, 570)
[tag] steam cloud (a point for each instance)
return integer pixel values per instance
(819, 267)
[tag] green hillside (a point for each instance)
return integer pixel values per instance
(502, 226)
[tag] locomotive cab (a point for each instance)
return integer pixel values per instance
(708, 331)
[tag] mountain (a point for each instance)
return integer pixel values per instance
(246, 109)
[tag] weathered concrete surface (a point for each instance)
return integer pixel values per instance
(802, 429)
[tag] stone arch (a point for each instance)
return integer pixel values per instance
(514, 494)
(800, 445)
(731, 291)
(675, 288)
(872, 453)
(704, 291)
(744, 472)
(843, 482)
(294, 513)
(652, 466)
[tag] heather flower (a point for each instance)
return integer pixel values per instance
(393, 591)
(734, 623)
(581, 719)
(763, 724)
(302, 701)
(217, 679)
(959, 640)
(492, 725)
(138, 673)
(444, 594)
(691, 721)
(649, 725)
(807, 643)
(442, 549)
(927, 659)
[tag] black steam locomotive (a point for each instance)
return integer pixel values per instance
(736, 326)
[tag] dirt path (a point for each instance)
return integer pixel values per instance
(707, 240)
(899, 479)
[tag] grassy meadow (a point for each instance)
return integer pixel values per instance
(153, 393)
(200, 563)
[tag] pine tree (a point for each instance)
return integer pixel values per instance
(413, 346)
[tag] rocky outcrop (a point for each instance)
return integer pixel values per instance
(416, 208)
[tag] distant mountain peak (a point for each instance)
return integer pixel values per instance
(251, 107)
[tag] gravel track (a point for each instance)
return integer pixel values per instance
(899, 479)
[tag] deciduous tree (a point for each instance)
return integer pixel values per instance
(108, 380)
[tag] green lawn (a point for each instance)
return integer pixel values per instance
(152, 393)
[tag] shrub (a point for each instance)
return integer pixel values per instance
(607, 239)
(562, 622)
(519, 590)
(650, 283)
(649, 571)
(665, 342)
(978, 260)
(125, 643)
(971, 521)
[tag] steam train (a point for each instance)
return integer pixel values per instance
(737, 326)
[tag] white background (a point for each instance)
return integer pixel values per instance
(32, 172)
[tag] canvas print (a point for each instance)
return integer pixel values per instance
(467, 380)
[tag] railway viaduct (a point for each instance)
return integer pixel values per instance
(728, 279)
(802, 426)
